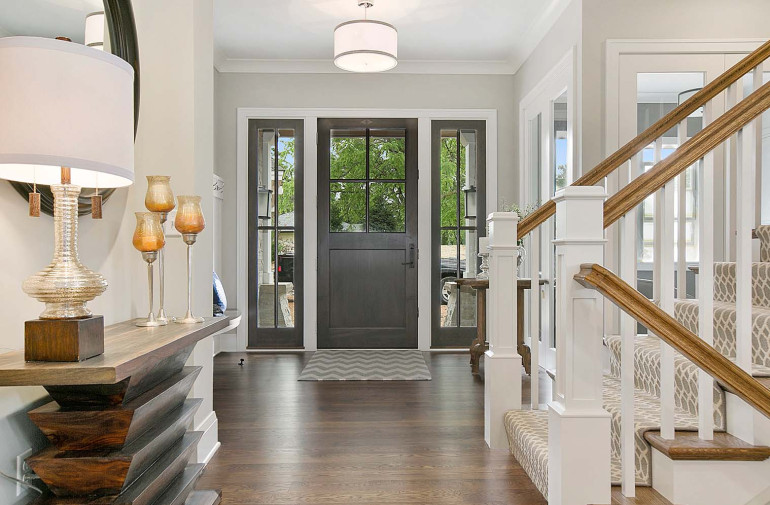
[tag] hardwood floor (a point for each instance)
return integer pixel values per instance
(290, 442)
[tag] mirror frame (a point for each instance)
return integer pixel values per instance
(120, 20)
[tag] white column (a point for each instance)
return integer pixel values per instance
(578, 425)
(502, 364)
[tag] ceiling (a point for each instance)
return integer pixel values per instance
(46, 18)
(435, 36)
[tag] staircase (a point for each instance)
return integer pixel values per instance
(686, 408)
(528, 429)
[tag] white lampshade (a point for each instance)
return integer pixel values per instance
(65, 105)
(365, 46)
(95, 30)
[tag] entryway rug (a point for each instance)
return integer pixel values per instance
(366, 365)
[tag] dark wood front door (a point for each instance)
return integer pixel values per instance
(367, 233)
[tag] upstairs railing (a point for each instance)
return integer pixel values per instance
(584, 214)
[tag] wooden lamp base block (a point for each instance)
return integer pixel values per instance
(63, 339)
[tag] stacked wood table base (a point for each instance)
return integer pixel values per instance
(124, 440)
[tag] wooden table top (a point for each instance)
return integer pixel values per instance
(484, 283)
(126, 349)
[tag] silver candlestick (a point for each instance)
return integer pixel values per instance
(162, 274)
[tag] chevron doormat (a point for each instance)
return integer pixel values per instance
(366, 365)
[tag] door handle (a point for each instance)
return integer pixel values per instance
(411, 257)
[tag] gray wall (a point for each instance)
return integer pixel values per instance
(175, 137)
(394, 91)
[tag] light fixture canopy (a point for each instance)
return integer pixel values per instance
(94, 32)
(365, 45)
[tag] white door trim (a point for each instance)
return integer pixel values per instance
(615, 48)
(561, 78)
(310, 117)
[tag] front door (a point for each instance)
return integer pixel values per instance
(367, 233)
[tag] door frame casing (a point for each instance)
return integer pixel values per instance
(310, 117)
(563, 77)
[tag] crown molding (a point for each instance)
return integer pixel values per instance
(460, 67)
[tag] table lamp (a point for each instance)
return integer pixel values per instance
(67, 121)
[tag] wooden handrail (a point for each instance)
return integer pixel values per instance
(673, 118)
(685, 155)
(728, 374)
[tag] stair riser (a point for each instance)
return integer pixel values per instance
(724, 283)
(724, 330)
(647, 378)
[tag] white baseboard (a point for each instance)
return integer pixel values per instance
(209, 443)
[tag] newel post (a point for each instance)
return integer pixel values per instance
(578, 425)
(502, 362)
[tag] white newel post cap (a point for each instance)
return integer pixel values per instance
(502, 229)
(579, 211)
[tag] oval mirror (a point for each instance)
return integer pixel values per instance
(82, 22)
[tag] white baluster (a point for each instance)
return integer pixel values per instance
(705, 214)
(534, 319)
(681, 241)
(628, 229)
(731, 168)
(742, 424)
(502, 364)
(663, 289)
(578, 426)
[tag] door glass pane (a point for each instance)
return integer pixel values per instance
(450, 272)
(266, 293)
(468, 171)
(347, 154)
(560, 143)
(285, 279)
(347, 207)
(285, 192)
(387, 207)
(657, 95)
(468, 269)
(451, 150)
(387, 151)
(265, 168)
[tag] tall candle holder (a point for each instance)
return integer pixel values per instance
(160, 199)
(189, 222)
(148, 239)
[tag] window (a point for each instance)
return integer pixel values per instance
(367, 181)
(458, 160)
(658, 94)
(275, 233)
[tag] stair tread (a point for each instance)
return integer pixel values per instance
(686, 445)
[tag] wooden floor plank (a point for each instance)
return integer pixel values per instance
(334, 443)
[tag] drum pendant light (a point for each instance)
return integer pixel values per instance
(365, 45)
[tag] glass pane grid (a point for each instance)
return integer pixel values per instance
(367, 181)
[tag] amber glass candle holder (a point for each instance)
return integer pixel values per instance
(160, 199)
(149, 239)
(189, 222)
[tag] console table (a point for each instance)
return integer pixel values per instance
(479, 345)
(118, 422)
